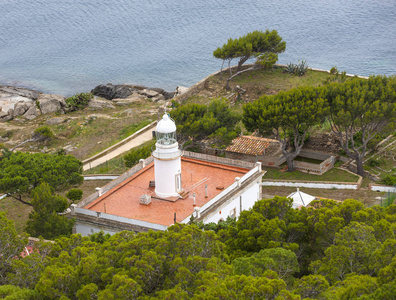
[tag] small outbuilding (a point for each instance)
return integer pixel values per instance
(301, 198)
(256, 149)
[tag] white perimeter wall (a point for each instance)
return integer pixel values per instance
(249, 197)
(383, 188)
(351, 186)
(86, 230)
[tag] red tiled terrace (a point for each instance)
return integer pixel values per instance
(124, 199)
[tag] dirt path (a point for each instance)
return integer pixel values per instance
(137, 141)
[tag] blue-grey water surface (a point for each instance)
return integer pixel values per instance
(70, 46)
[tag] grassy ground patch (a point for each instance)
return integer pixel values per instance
(16, 211)
(363, 195)
(335, 175)
(113, 166)
(256, 84)
(383, 162)
(19, 212)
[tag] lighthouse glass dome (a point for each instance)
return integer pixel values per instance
(166, 131)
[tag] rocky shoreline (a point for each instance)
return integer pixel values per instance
(29, 104)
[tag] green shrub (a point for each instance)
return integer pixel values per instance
(374, 162)
(389, 180)
(43, 133)
(299, 69)
(333, 70)
(133, 156)
(74, 195)
(8, 134)
(78, 101)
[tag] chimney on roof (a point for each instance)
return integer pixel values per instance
(99, 190)
(145, 199)
(73, 209)
(141, 161)
(258, 164)
(197, 212)
(194, 203)
(206, 191)
(238, 181)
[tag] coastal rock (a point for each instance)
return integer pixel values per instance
(7, 115)
(23, 92)
(50, 103)
(158, 98)
(135, 97)
(55, 121)
(21, 108)
(99, 104)
(32, 113)
(122, 91)
(180, 90)
(149, 93)
(10, 101)
(110, 91)
(169, 95)
(158, 90)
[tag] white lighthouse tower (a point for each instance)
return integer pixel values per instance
(167, 159)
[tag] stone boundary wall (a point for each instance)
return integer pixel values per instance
(319, 169)
(124, 141)
(221, 160)
(272, 161)
(266, 161)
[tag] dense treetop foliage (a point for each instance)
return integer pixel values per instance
(264, 46)
(21, 173)
(333, 251)
(134, 155)
(359, 110)
(46, 219)
(215, 121)
(288, 115)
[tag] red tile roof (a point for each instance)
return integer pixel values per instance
(123, 200)
(251, 145)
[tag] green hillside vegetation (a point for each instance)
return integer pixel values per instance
(336, 251)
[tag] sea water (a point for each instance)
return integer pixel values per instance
(70, 46)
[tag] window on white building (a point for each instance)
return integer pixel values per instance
(178, 182)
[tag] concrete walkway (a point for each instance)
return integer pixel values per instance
(134, 142)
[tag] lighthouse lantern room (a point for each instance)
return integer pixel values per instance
(167, 159)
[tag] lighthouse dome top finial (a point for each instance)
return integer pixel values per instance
(166, 125)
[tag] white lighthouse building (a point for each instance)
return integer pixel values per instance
(210, 189)
(167, 159)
